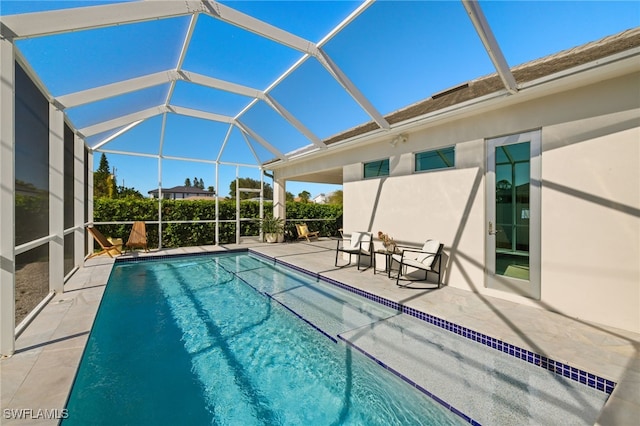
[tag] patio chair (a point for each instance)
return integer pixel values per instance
(360, 244)
(428, 259)
(138, 236)
(304, 233)
(105, 244)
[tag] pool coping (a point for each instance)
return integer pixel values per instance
(559, 368)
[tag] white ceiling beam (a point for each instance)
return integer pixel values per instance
(83, 18)
(275, 151)
(491, 44)
(346, 21)
(116, 89)
(139, 83)
(115, 135)
(131, 153)
(192, 160)
(183, 55)
(247, 108)
(352, 16)
(228, 163)
(215, 83)
(224, 142)
(200, 114)
(344, 81)
(294, 122)
(253, 151)
(256, 26)
(124, 120)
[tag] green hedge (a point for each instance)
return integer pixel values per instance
(188, 234)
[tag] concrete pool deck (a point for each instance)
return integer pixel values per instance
(40, 374)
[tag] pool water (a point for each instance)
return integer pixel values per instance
(219, 340)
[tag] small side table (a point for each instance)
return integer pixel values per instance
(387, 259)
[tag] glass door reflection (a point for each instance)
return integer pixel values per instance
(512, 212)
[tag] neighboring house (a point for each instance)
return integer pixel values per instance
(182, 193)
(320, 199)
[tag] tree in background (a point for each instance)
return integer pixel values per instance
(124, 192)
(104, 182)
(197, 183)
(336, 197)
(251, 184)
(304, 196)
(289, 196)
(105, 186)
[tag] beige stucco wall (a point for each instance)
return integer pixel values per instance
(590, 212)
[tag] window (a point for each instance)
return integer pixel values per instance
(31, 160)
(376, 168)
(437, 159)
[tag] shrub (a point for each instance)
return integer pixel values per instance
(191, 234)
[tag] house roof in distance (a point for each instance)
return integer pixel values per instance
(181, 190)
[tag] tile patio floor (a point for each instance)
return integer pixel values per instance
(40, 374)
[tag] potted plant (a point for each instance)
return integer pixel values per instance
(273, 229)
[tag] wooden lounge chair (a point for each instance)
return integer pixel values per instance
(304, 233)
(105, 244)
(138, 236)
(360, 244)
(428, 259)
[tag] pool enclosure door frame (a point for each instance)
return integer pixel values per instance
(513, 205)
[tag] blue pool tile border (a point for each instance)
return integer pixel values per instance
(549, 364)
(424, 391)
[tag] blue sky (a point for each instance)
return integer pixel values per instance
(396, 53)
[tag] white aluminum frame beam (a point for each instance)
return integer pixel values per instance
(253, 151)
(344, 81)
(7, 199)
(224, 143)
(56, 199)
(491, 44)
(116, 134)
(131, 120)
(256, 26)
(122, 121)
(139, 83)
(183, 55)
(116, 89)
(215, 83)
(294, 121)
(275, 151)
(78, 200)
(200, 114)
(85, 18)
(278, 35)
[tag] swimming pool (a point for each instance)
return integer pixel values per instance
(245, 341)
(190, 341)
